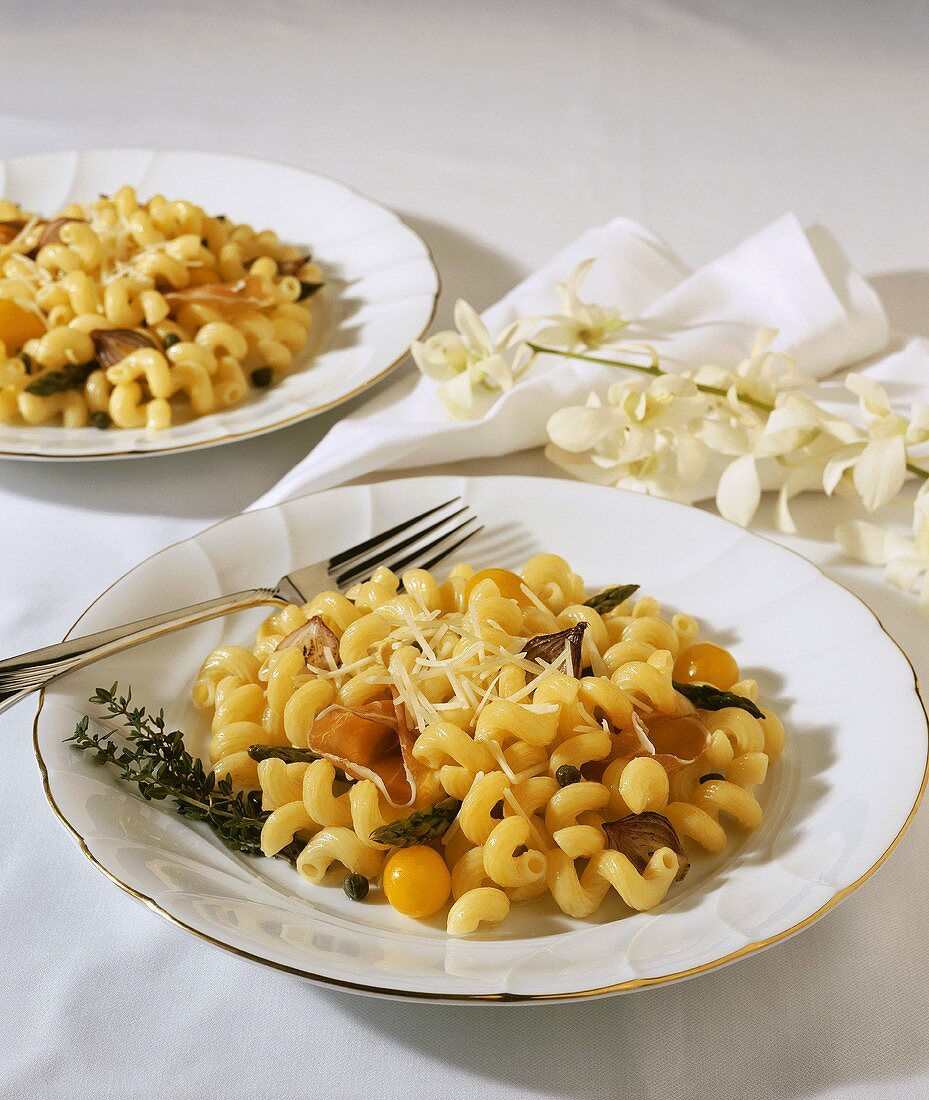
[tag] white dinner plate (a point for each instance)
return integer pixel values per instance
(835, 804)
(380, 296)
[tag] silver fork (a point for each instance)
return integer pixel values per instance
(414, 543)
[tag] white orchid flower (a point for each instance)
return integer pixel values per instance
(905, 560)
(764, 374)
(875, 460)
(469, 363)
(580, 324)
(760, 377)
(643, 438)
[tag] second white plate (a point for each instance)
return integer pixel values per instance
(381, 295)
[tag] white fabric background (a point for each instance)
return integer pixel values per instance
(501, 130)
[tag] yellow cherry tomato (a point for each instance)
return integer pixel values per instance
(416, 881)
(705, 663)
(508, 583)
(17, 325)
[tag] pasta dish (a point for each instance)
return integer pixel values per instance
(124, 314)
(478, 742)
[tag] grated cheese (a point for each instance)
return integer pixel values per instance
(513, 802)
(535, 599)
(497, 752)
(530, 773)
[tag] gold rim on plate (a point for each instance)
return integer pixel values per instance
(288, 421)
(498, 998)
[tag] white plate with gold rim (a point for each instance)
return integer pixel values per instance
(380, 297)
(835, 803)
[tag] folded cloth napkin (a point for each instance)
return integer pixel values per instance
(783, 277)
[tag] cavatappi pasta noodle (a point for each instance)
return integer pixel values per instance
(129, 314)
(528, 742)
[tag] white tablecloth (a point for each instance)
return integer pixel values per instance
(501, 130)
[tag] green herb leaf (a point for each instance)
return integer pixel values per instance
(70, 377)
(611, 597)
(155, 761)
(707, 697)
(420, 826)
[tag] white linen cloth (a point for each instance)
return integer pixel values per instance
(501, 130)
(798, 282)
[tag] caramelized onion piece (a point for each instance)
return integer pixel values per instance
(52, 231)
(639, 836)
(549, 647)
(315, 638)
(112, 345)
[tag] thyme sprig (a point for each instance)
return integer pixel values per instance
(156, 762)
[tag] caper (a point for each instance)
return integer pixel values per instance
(170, 340)
(711, 775)
(26, 361)
(567, 774)
(355, 887)
(262, 377)
(100, 420)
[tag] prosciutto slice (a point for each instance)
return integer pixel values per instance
(370, 742)
(244, 294)
(674, 740)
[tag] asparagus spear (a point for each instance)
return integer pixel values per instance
(707, 697)
(420, 826)
(611, 597)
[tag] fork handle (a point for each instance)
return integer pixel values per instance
(21, 675)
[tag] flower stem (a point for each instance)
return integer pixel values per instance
(652, 369)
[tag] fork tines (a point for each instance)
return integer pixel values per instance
(408, 543)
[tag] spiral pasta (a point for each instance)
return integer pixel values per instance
(129, 314)
(413, 709)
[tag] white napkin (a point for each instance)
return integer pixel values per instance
(796, 281)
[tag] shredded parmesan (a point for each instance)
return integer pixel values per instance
(527, 591)
(530, 772)
(513, 802)
(497, 752)
(642, 733)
